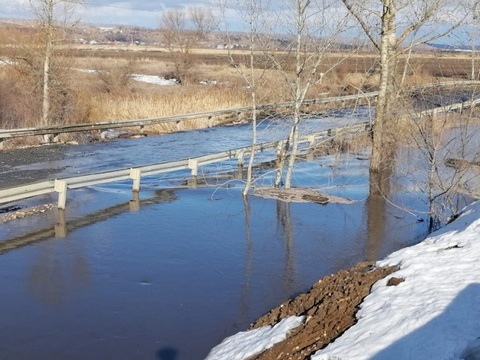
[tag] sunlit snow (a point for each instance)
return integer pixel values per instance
(249, 343)
(153, 79)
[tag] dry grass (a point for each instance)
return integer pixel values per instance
(111, 94)
(105, 107)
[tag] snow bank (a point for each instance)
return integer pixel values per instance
(253, 342)
(434, 313)
(153, 79)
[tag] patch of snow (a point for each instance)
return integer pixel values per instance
(112, 134)
(434, 313)
(150, 79)
(208, 82)
(250, 343)
(7, 62)
(153, 79)
(87, 71)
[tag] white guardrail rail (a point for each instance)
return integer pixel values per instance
(135, 174)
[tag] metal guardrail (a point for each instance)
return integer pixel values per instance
(444, 84)
(61, 186)
(56, 130)
(449, 108)
(135, 174)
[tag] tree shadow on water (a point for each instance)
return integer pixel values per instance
(167, 353)
(456, 330)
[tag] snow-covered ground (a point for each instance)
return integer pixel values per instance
(433, 314)
(153, 79)
(249, 343)
(150, 79)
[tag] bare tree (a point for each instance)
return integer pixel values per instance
(395, 26)
(313, 35)
(50, 15)
(441, 141)
(39, 62)
(475, 15)
(252, 14)
(182, 30)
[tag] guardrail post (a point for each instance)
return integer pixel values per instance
(61, 188)
(239, 173)
(1, 143)
(193, 165)
(135, 175)
(311, 140)
(240, 156)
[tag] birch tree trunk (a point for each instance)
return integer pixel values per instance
(387, 81)
(46, 98)
(248, 182)
(388, 24)
(308, 27)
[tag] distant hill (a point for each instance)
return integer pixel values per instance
(446, 47)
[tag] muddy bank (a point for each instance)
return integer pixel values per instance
(329, 306)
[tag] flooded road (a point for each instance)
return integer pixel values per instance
(57, 161)
(170, 274)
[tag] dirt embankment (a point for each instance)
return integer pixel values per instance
(330, 307)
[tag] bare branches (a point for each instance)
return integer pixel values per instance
(182, 30)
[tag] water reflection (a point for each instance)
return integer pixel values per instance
(62, 227)
(52, 276)
(167, 354)
(284, 219)
(245, 308)
(185, 282)
(376, 210)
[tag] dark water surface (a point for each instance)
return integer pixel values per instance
(171, 275)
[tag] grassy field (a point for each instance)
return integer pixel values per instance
(94, 83)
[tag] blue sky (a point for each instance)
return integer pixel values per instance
(147, 13)
(142, 13)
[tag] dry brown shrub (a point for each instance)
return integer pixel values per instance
(172, 101)
(361, 81)
(343, 143)
(19, 105)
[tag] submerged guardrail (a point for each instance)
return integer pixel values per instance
(135, 174)
(61, 186)
(57, 130)
(104, 125)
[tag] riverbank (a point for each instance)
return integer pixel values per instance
(424, 307)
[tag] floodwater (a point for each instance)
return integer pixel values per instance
(170, 274)
(126, 153)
